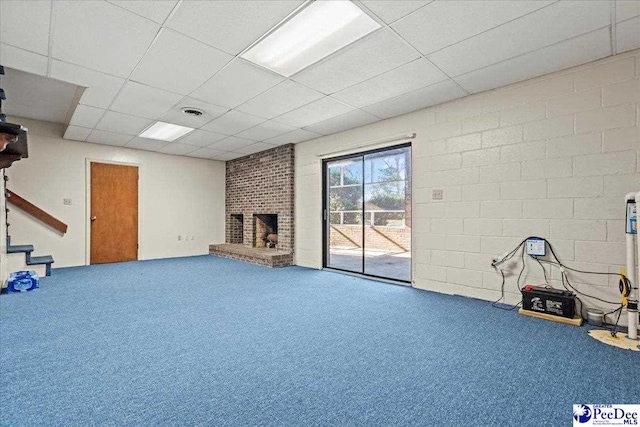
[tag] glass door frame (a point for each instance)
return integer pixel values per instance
(326, 216)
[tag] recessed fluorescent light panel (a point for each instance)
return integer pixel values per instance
(315, 32)
(165, 131)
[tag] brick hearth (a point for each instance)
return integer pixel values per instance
(262, 256)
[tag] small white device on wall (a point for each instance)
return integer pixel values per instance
(536, 247)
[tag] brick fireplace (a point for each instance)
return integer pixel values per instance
(259, 208)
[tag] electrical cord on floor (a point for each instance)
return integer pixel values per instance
(494, 264)
(566, 283)
(495, 303)
(614, 330)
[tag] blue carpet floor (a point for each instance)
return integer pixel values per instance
(213, 342)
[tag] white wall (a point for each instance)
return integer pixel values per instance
(552, 156)
(177, 195)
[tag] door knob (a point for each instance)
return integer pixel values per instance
(93, 218)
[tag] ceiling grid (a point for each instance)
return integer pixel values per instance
(144, 61)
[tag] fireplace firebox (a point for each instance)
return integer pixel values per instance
(265, 231)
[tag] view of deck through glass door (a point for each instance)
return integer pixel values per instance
(367, 210)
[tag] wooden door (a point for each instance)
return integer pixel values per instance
(114, 213)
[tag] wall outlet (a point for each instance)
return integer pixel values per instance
(179, 237)
(437, 194)
(66, 201)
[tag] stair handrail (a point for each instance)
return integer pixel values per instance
(35, 211)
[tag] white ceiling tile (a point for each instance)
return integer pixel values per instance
(108, 138)
(25, 24)
(231, 143)
(443, 23)
(627, 9)
(76, 133)
(392, 10)
(545, 27)
(146, 144)
(37, 97)
(266, 130)
(178, 63)
(563, 55)
(229, 25)
(144, 101)
(156, 10)
(178, 149)
(315, 112)
(297, 135)
(228, 156)
(278, 100)
(379, 52)
(123, 123)
(201, 138)
(406, 78)
(100, 36)
(254, 148)
(175, 115)
(421, 98)
(205, 153)
(233, 122)
(350, 120)
(101, 88)
(628, 35)
(236, 83)
(86, 116)
(23, 60)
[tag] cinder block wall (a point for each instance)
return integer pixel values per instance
(262, 183)
(552, 156)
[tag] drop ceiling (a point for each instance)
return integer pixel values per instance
(38, 97)
(143, 61)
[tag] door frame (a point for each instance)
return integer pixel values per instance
(324, 213)
(88, 161)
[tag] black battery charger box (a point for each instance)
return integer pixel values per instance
(548, 300)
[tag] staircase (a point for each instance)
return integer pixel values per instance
(31, 261)
(38, 263)
(13, 147)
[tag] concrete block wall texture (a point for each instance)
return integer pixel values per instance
(552, 156)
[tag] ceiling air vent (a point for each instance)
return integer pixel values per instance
(192, 111)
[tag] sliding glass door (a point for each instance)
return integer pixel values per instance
(367, 211)
(344, 215)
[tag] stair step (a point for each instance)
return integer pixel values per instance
(19, 248)
(45, 259)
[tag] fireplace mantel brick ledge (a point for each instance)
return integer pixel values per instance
(259, 184)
